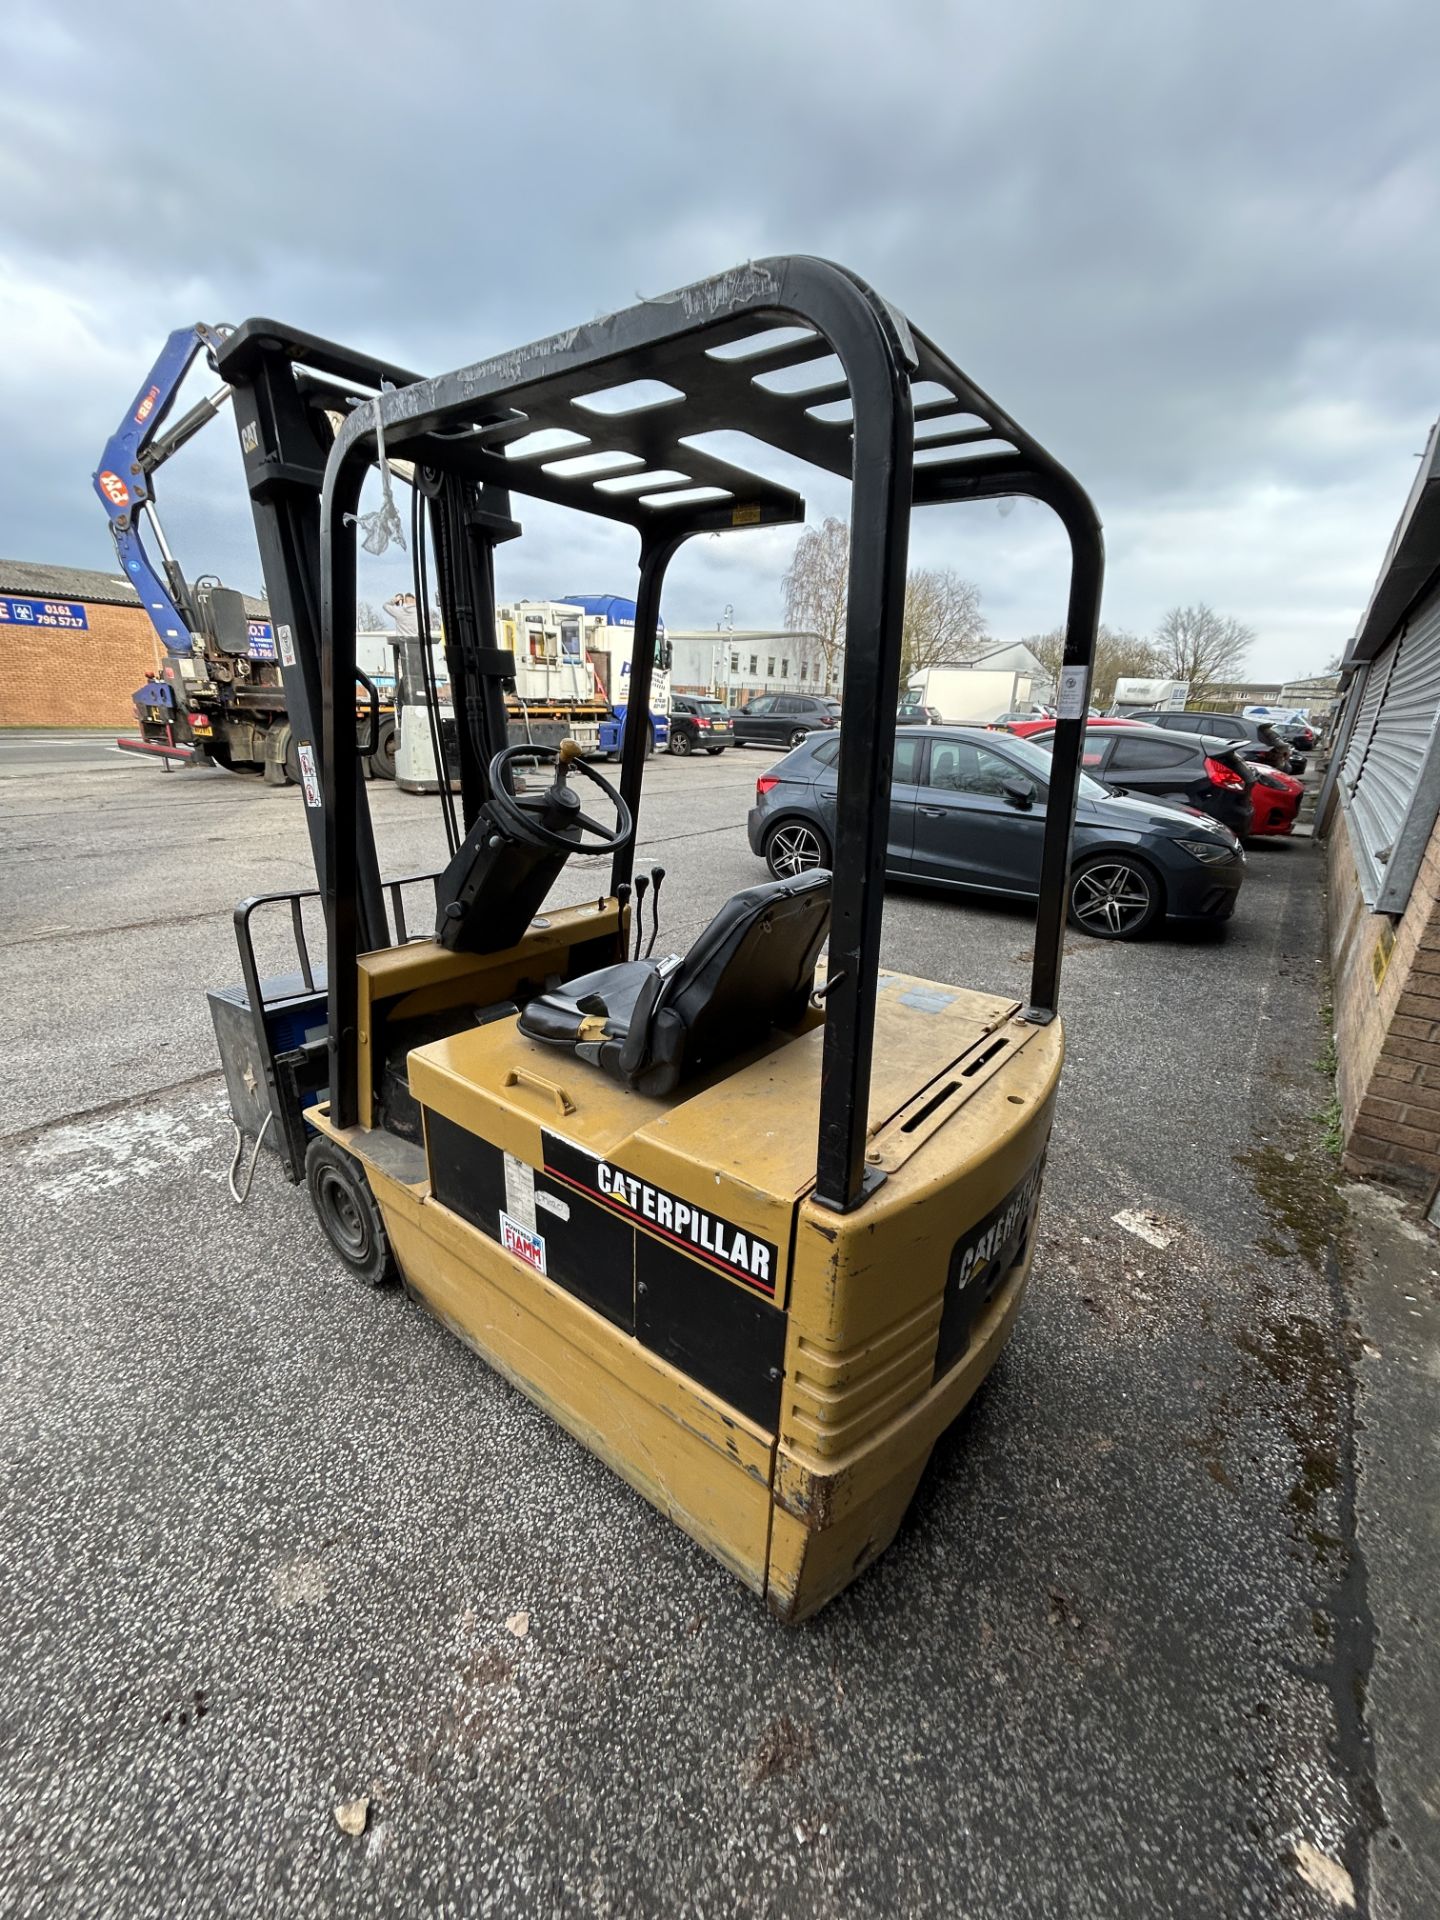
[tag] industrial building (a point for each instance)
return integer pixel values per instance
(74, 645)
(738, 664)
(1379, 810)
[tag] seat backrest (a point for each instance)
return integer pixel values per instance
(751, 969)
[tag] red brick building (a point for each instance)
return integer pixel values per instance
(1380, 812)
(74, 646)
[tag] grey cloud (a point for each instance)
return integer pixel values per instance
(1190, 246)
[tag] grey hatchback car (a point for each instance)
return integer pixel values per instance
(967, 810)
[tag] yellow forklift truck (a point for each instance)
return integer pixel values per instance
(753, 1226)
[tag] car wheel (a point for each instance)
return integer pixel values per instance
(1113, 897)
(346, 1209)
(680, 743)
(795, 847)
(714, 752)
(797, 737)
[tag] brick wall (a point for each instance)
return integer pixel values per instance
(62, 679)
(1387, 1032)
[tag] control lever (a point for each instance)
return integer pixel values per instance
(622, 900)
(657, 874)
(641, 883)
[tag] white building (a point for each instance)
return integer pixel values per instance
(735, 665)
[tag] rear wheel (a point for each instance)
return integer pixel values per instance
(680, 742)
(713, 751)
(1113, 897)
(795, 847)
(797, 737)
(346, 1209)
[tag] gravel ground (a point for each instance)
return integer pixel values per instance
(261, 1533)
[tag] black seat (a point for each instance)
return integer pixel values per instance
(651, 1023)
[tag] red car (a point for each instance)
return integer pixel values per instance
(1274, 799)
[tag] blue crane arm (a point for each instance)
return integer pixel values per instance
(131, 456)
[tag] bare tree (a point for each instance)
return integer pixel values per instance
(1202, 646)
(816, 587)
(368, 618)
(943, 623)
(1118, 655)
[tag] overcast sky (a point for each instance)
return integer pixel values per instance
(1192, 247)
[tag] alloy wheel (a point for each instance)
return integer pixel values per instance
(1111, 898)
(794, 849)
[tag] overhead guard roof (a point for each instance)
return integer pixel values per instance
(742, 353)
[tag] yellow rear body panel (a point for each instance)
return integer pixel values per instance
(657, 1275)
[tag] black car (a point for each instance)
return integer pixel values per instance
(1257, 739)
(782, 719)
(967, 811)
(1156, 763)
(698, 725)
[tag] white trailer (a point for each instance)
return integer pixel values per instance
(1134, 695)
(969, 696)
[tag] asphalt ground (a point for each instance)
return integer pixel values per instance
(261, 1531)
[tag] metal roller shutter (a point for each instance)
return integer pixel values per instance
(1390, 782)
(1371, 693)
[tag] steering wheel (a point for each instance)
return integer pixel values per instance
(551, 819)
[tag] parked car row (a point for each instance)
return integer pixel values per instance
(967, 811)
(1259, 738)
(1196, 769)
(698, 724)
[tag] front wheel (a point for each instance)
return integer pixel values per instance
(795, 847)
(1113, 897)
(346, 1209)
(681, 743)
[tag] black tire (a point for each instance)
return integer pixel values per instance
(680, 741)
(714, 752)
(649, 739)
(1118, 897)
(795, 846)
(346, 1209)
(798, 736)
(387, 745)
(292, 758)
